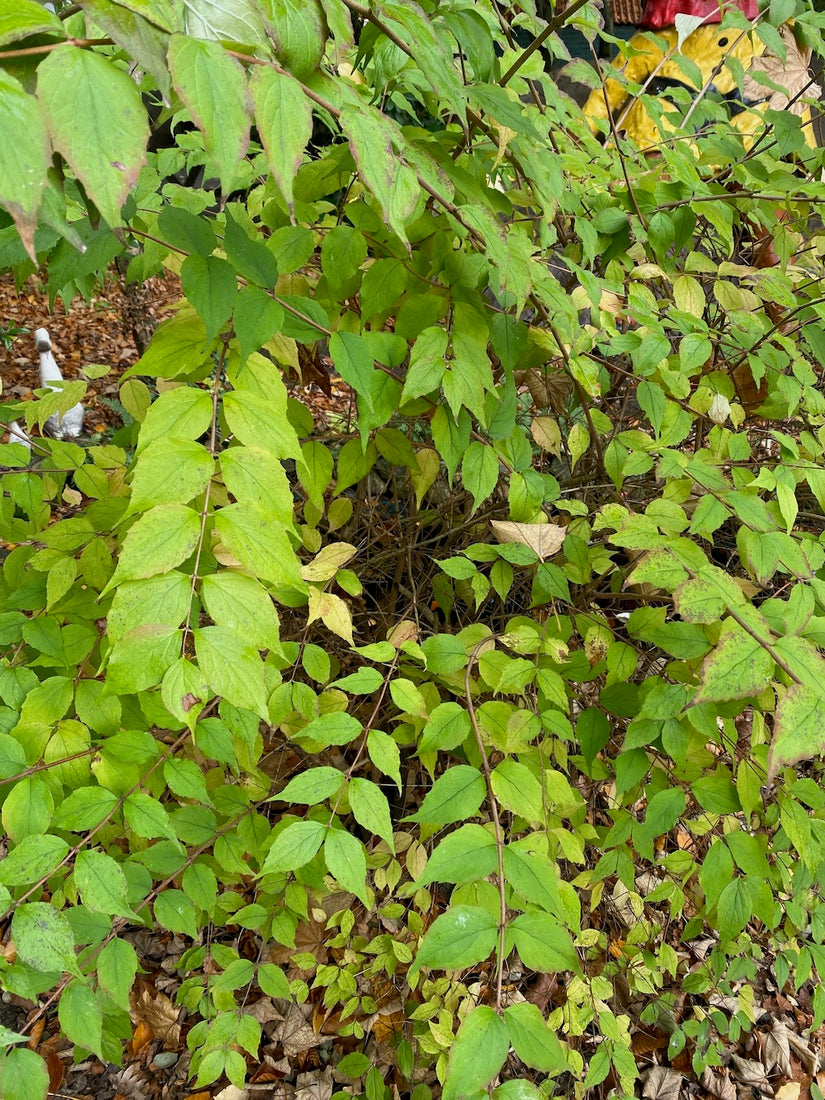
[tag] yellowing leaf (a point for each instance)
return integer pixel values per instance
(332, 611)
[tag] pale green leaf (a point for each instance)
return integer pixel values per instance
(283, 115)
(312, 786)
(213, 87)
(347, 862)
(296, 845)
(737, 668)
(159, 540)
(170, 471)
(97, 121)
(232, 667)
(242, 603)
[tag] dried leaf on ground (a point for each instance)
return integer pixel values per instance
(662, 1083)
(159, 1012)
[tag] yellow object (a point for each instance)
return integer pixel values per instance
(658, 71)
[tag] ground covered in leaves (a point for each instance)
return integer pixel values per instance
(300, 1056)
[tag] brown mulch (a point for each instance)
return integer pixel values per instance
(94, 332)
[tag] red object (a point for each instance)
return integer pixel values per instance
(662, 13)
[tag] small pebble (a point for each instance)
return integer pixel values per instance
(166, 1059)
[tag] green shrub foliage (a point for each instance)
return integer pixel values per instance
(509, 665)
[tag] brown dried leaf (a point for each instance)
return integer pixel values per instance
(776, 1049)
(793, 74)
(662, 1083)
(750, 1072)
(295, 1033)
(158, 1011)
(718, 1083)
(546, 539)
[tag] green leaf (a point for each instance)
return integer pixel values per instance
(734, 908)
(140, 659)
(347, 862)
(256, 318)
(385, 755)
(428, 361)
(117, 966)
(448, 726)
(25, 163)
(333, 728)
(241, 603)
(159, 540)
(232, 667)
(184, 690)
(21, 18)
(371, 809)
(146, 817)
(461, 937)
(174, 910)
(34, 858)
(532, 1039)
(273, 981)
(23, 1076)
(101, 884)
(178, 347)
(213, 87)
(283, 115)
(455, 796)
(737, 668)
(250, 258)
(542, 945)
(200, 885)
(28, 808)
(43, 938)
(466, 855)
(296, 845)
(478, 1053)
(210, 285)
(97, 121)
(187, 231)
(84, 809)
(663, 811)
(354, 361)
(373, 139)
(170, 471)
(312, 786)
(480, 472)
(535, 877)
(186, 780)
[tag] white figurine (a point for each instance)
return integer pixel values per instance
(70, 424)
